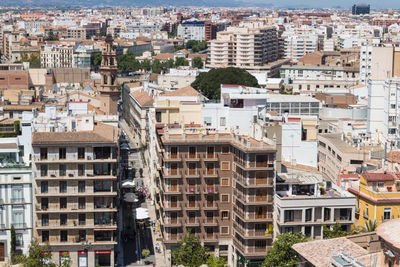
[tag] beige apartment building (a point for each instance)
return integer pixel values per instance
(220, 186)
(338, 154)
(251, 45)
(75, 194)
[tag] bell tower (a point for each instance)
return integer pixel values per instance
(108, 70)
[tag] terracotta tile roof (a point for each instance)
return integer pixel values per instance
(370, 176)
(202, 56)
(22, 107)
(133, 85)
(390, 232)
(102, 133)
(143, 98)
(164, 56)
(184, 91)
(320, 252)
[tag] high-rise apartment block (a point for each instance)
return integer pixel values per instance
(251, 45)
(220, 186)
(360, 9)
(75, 192)
(192, 30)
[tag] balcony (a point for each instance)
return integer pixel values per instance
(172, 222)
(172, 158)
(210, 173)
(192, 189)
(254, 182)
(251, 250)
(253, 199)
(192, 173)
(17, 200)
(192, 221)
(172, 238)
(171, 173)
(211, 237)
(210, 157)
(73, 158)
(19, 225)
(171, 206)
(253, 216)
(251, 233)
(210, 189)
(192, 205)
(172, 189)
(210, 221)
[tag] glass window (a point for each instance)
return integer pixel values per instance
(18, 217)
(63, 186)
(387, 213)
(43, 153)
(62, 168)
(81, 153)
(62, 153)
(63, 238)
(45, 236)
(17, 194)
(43, 170)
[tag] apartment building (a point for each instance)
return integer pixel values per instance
(15, 188)
(192, 30)
(76, 33)
(379, 62)
(338, 153)
(376, 197)
(219, 185)
(251, 45)
(56, 56)
(75, 173)
(309, 79)
(297, 46)
(305, 203)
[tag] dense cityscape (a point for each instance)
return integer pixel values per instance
(199, 136)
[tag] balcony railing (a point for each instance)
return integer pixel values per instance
(210, 189)
(17, 200)
(19, 225)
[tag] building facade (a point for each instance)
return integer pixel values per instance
(75, 193)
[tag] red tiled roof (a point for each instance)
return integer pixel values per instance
(369, 176)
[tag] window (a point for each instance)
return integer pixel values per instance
(81, 203)
(225, 230)
(288, 230)
(192, 152)
(45, 203)
(225, 181)
(63, 236)
(45, 236)
(63, 219)
(43, 170)
(63, 186)
(225, 165)
(225, 198)
(82, 235)
(45, 219)
(81, 186)
(43, 153)
(366, 211)
(308, 215)
(289, 215)
(62, 169)
(222, 121)
(207, 121)
(82, 219)
(158, 116)
(387, 213)
(17, 194)
(225, 215)
(18, 217)
(381, 184)
(81, 169)
(62, 153)
(63, 203)
(81, 152)
(44, 187)
(225, 149)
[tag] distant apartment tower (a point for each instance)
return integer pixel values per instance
(211, 31)
(250, 45)
(221, 187)
(297, 46)
(192, 30)
(75, 193)
(360, 9)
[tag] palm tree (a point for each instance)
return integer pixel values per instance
(370, 226)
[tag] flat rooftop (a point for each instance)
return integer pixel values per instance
(345, 147)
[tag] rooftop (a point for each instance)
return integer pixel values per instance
(102, 133)
(345, 146)
(390, 232)
(320, 252)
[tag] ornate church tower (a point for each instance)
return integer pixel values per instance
(108, 70)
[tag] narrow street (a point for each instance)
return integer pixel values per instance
(144, 237)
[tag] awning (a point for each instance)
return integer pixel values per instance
(102, 252)
(128, 184)
(142, 214)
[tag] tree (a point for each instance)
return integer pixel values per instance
(128, 63)
(145, 253)
(13, 244)
(181, 61)
(282, 253)
(209, 83)
(190, 252)
(334, 231)
(213, 261)
(145, 65)
(37, 256)
(141, 172)
(197, 63)
(51, 36)
(97, 60)
(370, 226)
